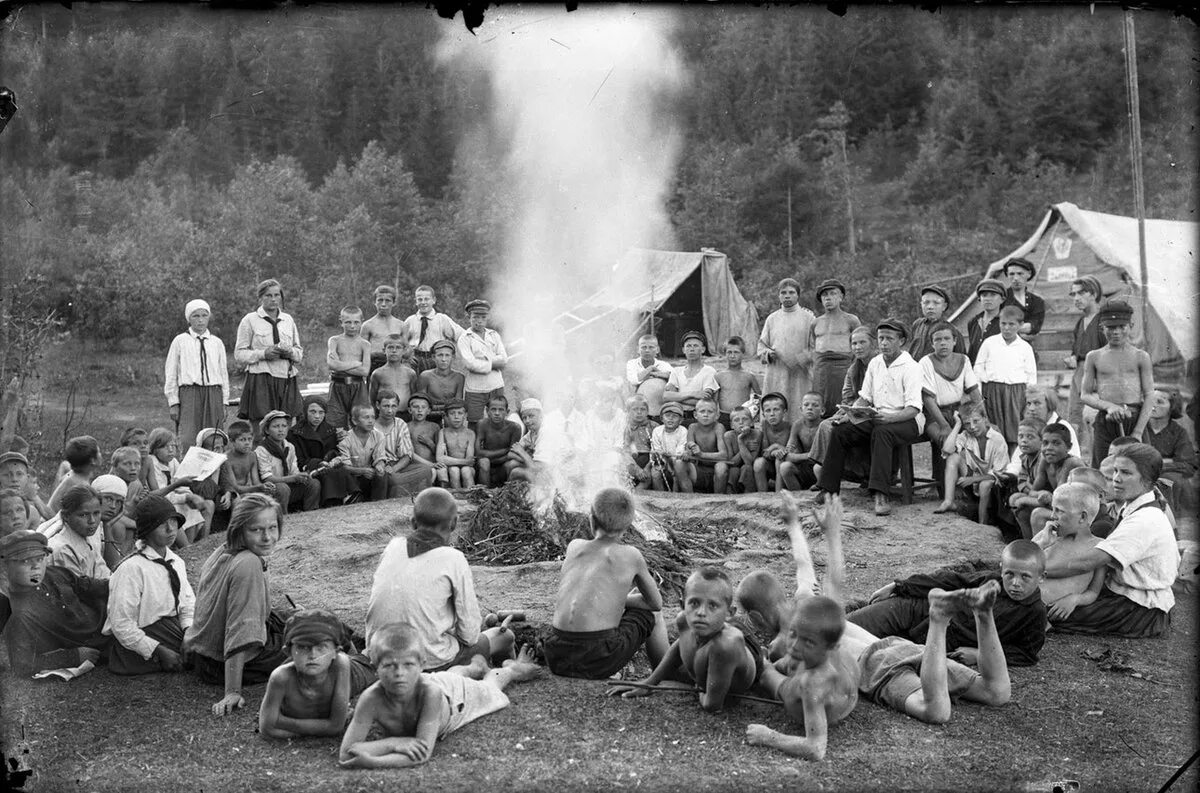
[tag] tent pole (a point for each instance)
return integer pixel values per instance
(1135, 155)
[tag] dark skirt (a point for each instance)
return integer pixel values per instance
(263, 393)
(1115, 615)
(200, 407)
(1005, 403)
(123, 661)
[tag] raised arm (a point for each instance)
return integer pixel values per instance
(830, 519)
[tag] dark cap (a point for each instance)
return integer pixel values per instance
(14, 457)
(22, 545)
(421, 395)
(478, 303)
(830, 283)
(672, 407)
(990, 285)
(774, 395)
(1019, 262)
(454, 404)
(693, 334)
(937, 290)
(151, 512)
(311, 626)
(891, 323)
(1115, 311)
(440, 343)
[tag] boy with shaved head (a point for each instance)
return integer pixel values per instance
(832, 660)
(424, 581)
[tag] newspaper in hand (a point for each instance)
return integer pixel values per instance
(66, 673)
(199, 463)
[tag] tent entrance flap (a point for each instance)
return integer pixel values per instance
(679, 313)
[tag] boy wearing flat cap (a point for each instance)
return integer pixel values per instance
(51, 618)
(1118, 381)
(196, 377)
(887, 414)
(311, 693)
(991, 294)
(150, 602)
(1019, 273)
(934, 302)
(831, 343)
(483, 354)
(693, 381)
(441, 383)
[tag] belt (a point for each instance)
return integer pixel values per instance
(347, 379)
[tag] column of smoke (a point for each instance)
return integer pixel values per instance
(581, 116)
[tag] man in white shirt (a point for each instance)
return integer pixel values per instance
(483, 354)
(887, 415)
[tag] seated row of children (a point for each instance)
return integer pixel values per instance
(912, 647)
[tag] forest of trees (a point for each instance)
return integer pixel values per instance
(165, 151)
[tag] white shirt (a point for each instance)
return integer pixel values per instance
(896, 385)
(434, 594)
(1146, 558)
(271, 467)
(703, 380)
(948, 392)
(139, 594)
(81, 555)
(439, 327)
(634, 368)
(183, 365)
(477, 353)
(1003, 362)
(255, 336)
(663, 442)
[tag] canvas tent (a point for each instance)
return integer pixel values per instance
(680, 291)
(1073, 242)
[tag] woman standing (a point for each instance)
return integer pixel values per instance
(785, 346)
(268, 345)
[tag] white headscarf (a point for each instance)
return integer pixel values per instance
(194, 305)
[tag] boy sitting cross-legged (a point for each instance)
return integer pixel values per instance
(911, 678)
(413, 710)
(702, 466)
(494, 439)
(975, 458)
(311, 694)
(598, 622)
(711, 651)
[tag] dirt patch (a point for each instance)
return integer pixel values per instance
(1069, 718)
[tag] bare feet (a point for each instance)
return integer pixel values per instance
(759, 735)
(523, 666)
(945, 506)
(943, 605)
(477, 668)
(981, 598)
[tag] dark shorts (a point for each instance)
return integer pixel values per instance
(705, 477)
(595, 655)
(362, 674)
(641, 459)
(891, 672)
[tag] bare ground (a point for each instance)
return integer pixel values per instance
(1067, 720)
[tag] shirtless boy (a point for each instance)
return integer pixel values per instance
(776, 430)
(349, 360)
(424, 434)
(735, 384)
(1118, 381)
(394, 374)
(441, 383)
(1068, 535)
(377, 329)
(831, 343)
(711, 651)
(242, 462)
(703, 465)
(918, 680)
(456, 448)
(494, 439)
(598, 622)
(310, 694)
(744, 443)
(798, 470)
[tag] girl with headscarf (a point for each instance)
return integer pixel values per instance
(316, 442)
(196, 377)
(268, 345)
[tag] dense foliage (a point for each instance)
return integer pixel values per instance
(166, 151)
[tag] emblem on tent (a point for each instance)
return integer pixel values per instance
(1062, 247)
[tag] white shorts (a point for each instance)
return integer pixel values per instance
(466, 700)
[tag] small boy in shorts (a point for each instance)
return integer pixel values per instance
(1067, 535)
(55, 616)
(776, 430)
(598, 622)
(456, 448)
(797, 469)
(394, 375)
(413, 710)
(441, 384)
(703, 465)
(377, 329)
(976, 455)
(424, 434)
(901, 608)
(667, 444)
(712, 651)
(494, 439)
(310, 694)
(241, 461)
(638, 429)
(744, 444)
(83, 455)
(349, 360)
(735, 384)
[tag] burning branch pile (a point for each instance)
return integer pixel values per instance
(506, 530)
